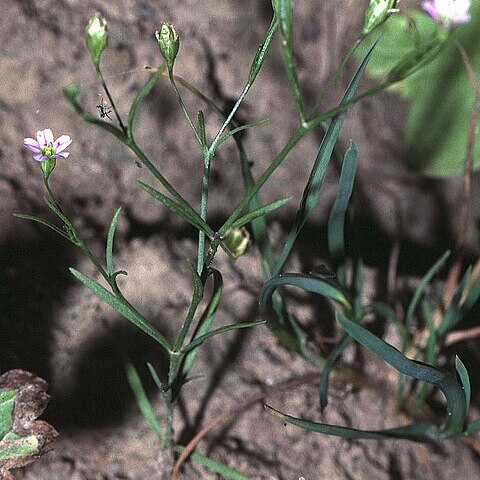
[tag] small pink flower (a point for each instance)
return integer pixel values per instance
(45, 148)
(448, 13)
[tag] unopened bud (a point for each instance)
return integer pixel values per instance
(96, 35)
(168, 43)
(377, 12)
(237, 241)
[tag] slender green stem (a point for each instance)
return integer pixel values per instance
(217, 138)
(183, 107)
(110, 99)
(207, 158)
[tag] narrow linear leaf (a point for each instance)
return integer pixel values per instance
(312, 190)
(473, 427)
(306, 282)
(123, 308)
(232, 132)
(110, 237)
(45, 223)
(155, 377)
(188, 215)
(327, 369)
(213, 465)
(145, 90)
(336, 220)
(420, 432)
(465, 380)
(424, 282)
(454, 423)
(227, 328)
(142, 401)
(204, 323)
(258, 212)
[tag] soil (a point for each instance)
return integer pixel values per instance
(54, 327)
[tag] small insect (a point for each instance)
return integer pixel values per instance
(104, 108)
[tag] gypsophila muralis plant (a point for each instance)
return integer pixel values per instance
(232, 236)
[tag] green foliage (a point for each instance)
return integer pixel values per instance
(439, 95)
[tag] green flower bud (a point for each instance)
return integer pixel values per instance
(96, 35)
(237, 241)
(377, 12)
(168, 43)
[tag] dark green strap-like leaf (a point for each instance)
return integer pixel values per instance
(455, 421)
(336, 221)
(306, 282)
(312, 189)
(465, 380)
(333, 356)
(123, 308)
(420, 432)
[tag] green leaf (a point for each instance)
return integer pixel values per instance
(123, 308)
(258, 212)
(189, 215)
(454, 423)
(424, 282)
(143, 402)
(204, 323)
(314, 184)
(306, 282)
(213, 465)
(465, 380)
(420, 432)
(473, 427)
(336, 221)
(7, 403)
(44, 222)
(110, 237)
(146, 89)
(227, 328)
(232, 132)
(16, 446)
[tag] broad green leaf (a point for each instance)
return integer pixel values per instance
(110, 237)
(143, 402)
(7, 402)
(440, 95)
(123, 308)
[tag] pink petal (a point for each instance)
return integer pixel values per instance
(431, 9)
(39, 157)
(45, 137)
(61, 155)
(62, 143)
(31, 144)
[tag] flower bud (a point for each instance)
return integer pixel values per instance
(377, 12)
(96, 35)
(168, 43)
(237, 241)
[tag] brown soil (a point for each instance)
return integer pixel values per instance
(51, 325)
